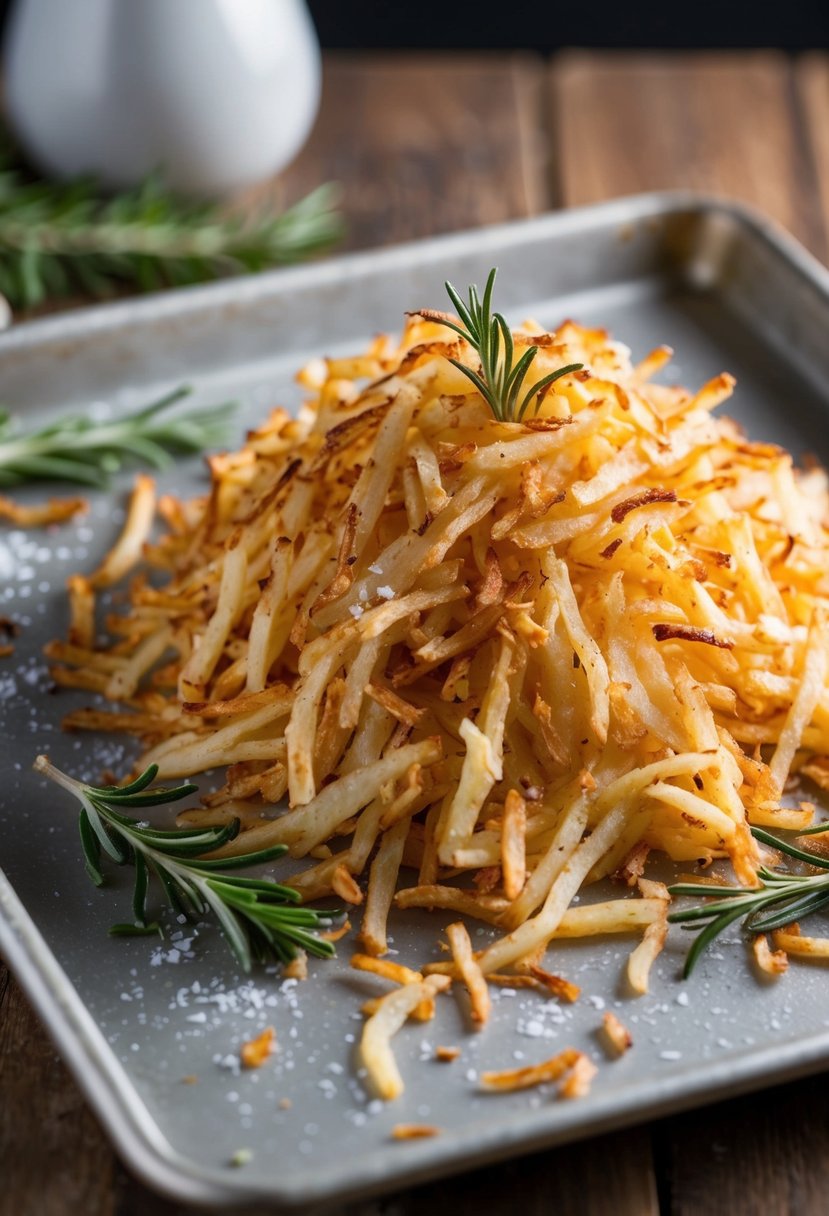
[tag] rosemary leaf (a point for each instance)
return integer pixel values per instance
(258, 917)
(78, 449)
(61, 239)
(127, 930)
(779, 899)
(500, 380)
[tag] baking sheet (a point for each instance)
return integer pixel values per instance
(134, 1018)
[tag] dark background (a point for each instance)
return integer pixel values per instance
(547, 25)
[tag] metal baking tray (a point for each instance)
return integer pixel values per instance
(133, 1017)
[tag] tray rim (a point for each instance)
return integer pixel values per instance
(113, 315)
(100, 1076)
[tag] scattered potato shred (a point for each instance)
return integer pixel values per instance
(255, 1052)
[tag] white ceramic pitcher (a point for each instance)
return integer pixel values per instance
(216, 94)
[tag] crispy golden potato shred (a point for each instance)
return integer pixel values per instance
(502, 660)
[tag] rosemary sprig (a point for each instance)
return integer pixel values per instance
(62, 239)
(784, 897)
(500, 380)
(77, 448)
(258, 917)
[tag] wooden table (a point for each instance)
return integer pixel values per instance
(429, 144)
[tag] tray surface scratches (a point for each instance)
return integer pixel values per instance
(152, 1028)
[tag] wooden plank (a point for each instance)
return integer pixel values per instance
(423, 144)
(726, 124)
(764, 1153)
(54, 1158)
(812, 87)
(606, 1176)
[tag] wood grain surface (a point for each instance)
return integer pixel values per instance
(726, 124)
(423, 145)
(428, 145)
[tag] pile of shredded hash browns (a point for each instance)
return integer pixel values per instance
(487, 662)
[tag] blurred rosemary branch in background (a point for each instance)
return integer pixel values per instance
(61, 239)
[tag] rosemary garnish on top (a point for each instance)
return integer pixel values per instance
(500, 381)
(792, 896)
(77, 448)
(258, 916)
